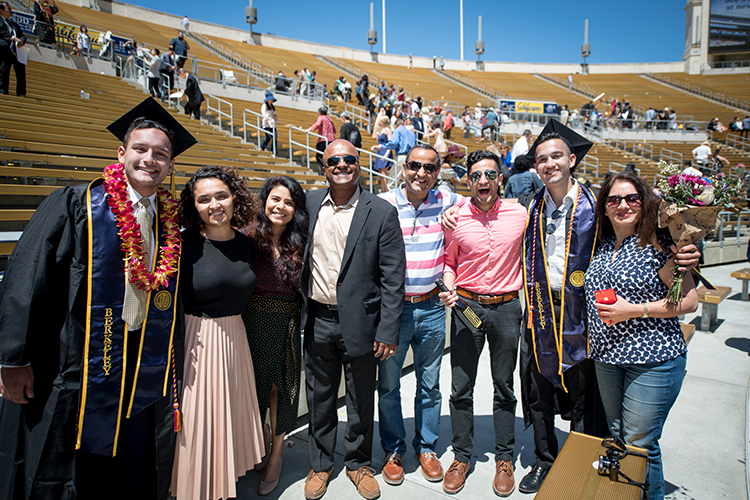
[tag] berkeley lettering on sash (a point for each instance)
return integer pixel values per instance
(102, 399)
(107, 359)
(564, 344)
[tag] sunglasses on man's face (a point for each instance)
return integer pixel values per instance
(333, 161)
(490, 174)
(414, 166)
(633, 200)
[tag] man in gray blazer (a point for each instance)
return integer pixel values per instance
(353, 297)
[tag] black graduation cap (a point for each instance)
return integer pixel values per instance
(152, 110)
(578, 144)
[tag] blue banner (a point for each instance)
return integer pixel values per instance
(515, 105)
(67, 33)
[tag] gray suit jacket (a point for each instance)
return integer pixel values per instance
(370, 288)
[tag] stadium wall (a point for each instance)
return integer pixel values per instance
(50, 56)
(345, 53)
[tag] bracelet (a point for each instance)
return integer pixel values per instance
(645, 311)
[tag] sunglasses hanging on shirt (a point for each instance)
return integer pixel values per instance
(551, 227)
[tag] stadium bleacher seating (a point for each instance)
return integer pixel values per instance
(55, 138)
(645, 92)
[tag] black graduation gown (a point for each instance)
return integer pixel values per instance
(42, 322)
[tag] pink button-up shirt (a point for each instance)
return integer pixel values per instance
(484, 251)
(325, 127)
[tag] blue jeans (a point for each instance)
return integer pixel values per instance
(422, 328)
(637, 400)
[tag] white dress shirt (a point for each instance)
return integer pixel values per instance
(555, 242)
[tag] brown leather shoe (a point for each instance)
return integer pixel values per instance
(364, 479)
(316, 484)
(431, 468)
(393, 470)
(455, 477)
(503, 483)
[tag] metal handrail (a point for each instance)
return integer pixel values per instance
(737, 142)
(372, 78)
(694, 89)
(427, 141)
(487, 91)
(728, 215)
(643, 148)
(372, 173)
(670, 156)
(622, 167)
(258, 126)
(592, 161)
(359, 113)
(578, 87)
(219, 111)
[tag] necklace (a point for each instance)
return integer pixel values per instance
(130, 232)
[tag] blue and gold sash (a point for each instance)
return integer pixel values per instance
(107, 336)
(559, 343)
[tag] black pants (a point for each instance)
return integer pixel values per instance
(169, 78)
(179, 61)
(492, 131)
(131, 473)
(321, 146)
(581, 405)
(502, 324)
(270, 136)
(325, 354)
(7, 60)
(194, 109)
(153, 87)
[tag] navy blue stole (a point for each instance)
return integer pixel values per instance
(107, 336)
(559, 343)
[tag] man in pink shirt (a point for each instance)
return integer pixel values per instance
(323, 126)
(483, 268)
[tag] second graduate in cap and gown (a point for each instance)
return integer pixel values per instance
(556, 374)
(89, 324)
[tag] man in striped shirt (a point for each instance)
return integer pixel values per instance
(423, 320)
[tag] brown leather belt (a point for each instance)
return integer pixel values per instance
(415, 299)
(487, 299)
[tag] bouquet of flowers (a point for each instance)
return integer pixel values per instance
(689, 207)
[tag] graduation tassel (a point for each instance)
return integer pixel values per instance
(530, 322)
(175, 404)
(177, 418)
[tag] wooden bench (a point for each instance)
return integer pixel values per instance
(710, 300)
(688, 331)
(744, 275)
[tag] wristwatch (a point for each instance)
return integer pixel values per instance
(645, 311)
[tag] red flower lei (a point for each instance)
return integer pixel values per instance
(130, 232)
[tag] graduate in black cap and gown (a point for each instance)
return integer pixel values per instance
(556, 374)
(90, 339)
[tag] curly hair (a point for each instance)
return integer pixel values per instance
(292, 241)
(648, 218)
(245, 204)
